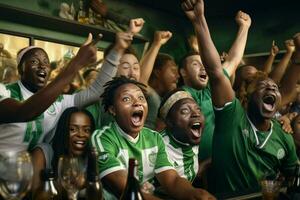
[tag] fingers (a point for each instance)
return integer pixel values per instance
(166, 34)
(88, 40)
(187, 5)
(273, 43)
(97, 39)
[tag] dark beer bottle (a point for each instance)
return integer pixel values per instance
(94, 186)
(132, 190)
(294, 190)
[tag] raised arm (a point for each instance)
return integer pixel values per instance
(236, 52)
(267, 67)
(279, 70)
(147, 62)
(21, 111)
(222, 91)
(290, 78)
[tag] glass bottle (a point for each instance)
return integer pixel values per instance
(48, 190)
(94, 186)
(132, 190)
(293, 190)
(81, 16)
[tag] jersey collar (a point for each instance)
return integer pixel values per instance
(125, 135)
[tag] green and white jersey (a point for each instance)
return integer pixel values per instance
(242, 155)
(43, 127)
(115, 147)
(184, 157)
(34, 131)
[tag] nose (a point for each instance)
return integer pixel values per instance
(195, 113)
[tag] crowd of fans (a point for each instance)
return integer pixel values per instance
(210, 122)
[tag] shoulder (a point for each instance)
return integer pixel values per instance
(4, 92)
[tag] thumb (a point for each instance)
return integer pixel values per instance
(88, 40)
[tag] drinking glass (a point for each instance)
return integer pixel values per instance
(16, 173)
(71, 175)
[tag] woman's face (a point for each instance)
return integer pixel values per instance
(130, 108)
(80, 132)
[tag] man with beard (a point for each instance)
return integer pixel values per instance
(248, 142)
(127, 138)
(195, 80)
(29, 109)
(184, 125)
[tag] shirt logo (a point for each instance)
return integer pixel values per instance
(103, 157)
(280, 153)
(51, 110)
(152, 158)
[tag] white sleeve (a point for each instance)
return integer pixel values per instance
(4, 93)
(106, 73)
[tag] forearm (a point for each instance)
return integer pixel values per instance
(236, 52)
(106, 73)
(289, 81)
(278, 72)
(267, 67)
(147, 62)
(180, 189)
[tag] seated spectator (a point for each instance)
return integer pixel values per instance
(127, 137)
(72, 134)
(251, 142)
(29, 110)
(185, 123)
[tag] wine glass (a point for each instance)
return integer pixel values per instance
(71, 175)
(16, 173)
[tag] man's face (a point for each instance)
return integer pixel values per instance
(186, 121)
(266, 98)
(80, 132)
(194, 74)
(168, 76)
(130, 108)
(36, 69)
(129, 67)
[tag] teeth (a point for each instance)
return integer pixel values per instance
(196, 124)
(79, 142)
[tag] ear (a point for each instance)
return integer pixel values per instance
(111, 110)
(182, 72)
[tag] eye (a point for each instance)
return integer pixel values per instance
(184, 111)
(125, 99)
(46, 61)
(87, 130)
(34, 62)
(72, 129)
(141, 98)
(125, 65)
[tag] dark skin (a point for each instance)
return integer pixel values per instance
(12, 111)
(128, 99)
(181, 118)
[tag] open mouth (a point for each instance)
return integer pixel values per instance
(136, 117)
(203, 77)
(79, 144)
(41, 75)
(269, 102)
(196, 129)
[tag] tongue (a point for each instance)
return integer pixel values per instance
(196, 133)
(136, 120)
(268, 107)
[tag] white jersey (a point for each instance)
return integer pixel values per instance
(43, 127)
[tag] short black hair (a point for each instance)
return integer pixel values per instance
(61, 138)
(160, 61)
(112, 86)
(182, 64)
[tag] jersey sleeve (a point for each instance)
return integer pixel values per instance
(4, 93)
(290, 161)
(107, 159)
(162, 161)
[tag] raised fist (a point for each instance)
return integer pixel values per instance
(274, 49)
(296, 39)
(243, 19)
(136, 25)
(193, 9)
(162, 37)
(123, 40)
(289, 46)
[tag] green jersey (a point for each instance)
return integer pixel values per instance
(242, 155)
(115, 147)
(184, 157)
(203, 99)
